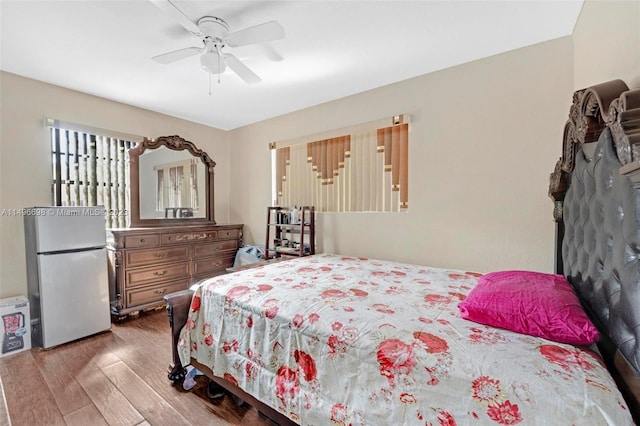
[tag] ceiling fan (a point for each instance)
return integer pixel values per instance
(216, 35)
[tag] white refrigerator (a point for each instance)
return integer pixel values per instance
(67, 274)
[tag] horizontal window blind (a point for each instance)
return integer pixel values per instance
(361, 170)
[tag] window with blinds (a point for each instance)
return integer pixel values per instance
(91, 170)
(364, 169)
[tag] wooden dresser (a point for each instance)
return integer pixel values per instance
(147, 263)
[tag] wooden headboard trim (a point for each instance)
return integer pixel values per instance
(608, 104)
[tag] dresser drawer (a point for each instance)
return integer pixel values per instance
(154, 293)
(228, 233)
(211, 249)
(147, 257)
(142, 241)
(188, 237)
(142, 276)
(212, 264)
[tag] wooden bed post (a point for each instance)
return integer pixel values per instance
(178, 305)
(557, 189)
(558, 265)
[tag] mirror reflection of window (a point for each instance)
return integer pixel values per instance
(159, 191)
(193, 179)
(153, 202)
(177, 189)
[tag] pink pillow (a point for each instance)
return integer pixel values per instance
(534, 303)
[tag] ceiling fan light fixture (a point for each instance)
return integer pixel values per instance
(212, 63)
(216, 35)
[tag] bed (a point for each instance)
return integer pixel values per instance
(330, 339)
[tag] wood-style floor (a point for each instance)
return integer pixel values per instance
(114, 378)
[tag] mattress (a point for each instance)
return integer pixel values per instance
(329, 339)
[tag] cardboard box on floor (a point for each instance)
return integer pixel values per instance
(15, 325)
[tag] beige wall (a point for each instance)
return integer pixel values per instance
(606, 43)
(25, 162)
(484, 138)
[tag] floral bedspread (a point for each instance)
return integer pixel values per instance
(333, 340)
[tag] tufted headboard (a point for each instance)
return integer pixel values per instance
(596, 191)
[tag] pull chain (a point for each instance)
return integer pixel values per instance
(209, 72)
(219, 65)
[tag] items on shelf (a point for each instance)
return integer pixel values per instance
(290, 231)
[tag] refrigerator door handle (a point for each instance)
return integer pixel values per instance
(50, 253)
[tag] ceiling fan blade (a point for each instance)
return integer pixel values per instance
(257, 34)
(241, 69)
(271, 53)
(172, 9)
(176, 55)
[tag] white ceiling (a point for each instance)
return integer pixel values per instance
(332, 49)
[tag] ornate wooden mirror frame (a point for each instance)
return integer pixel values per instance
(175, 143)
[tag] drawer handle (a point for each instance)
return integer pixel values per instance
(142, 240)
(160, 274)
(159, 255)
(218, 248)
(163, 291)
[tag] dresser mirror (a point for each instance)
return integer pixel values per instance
(171, 183)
